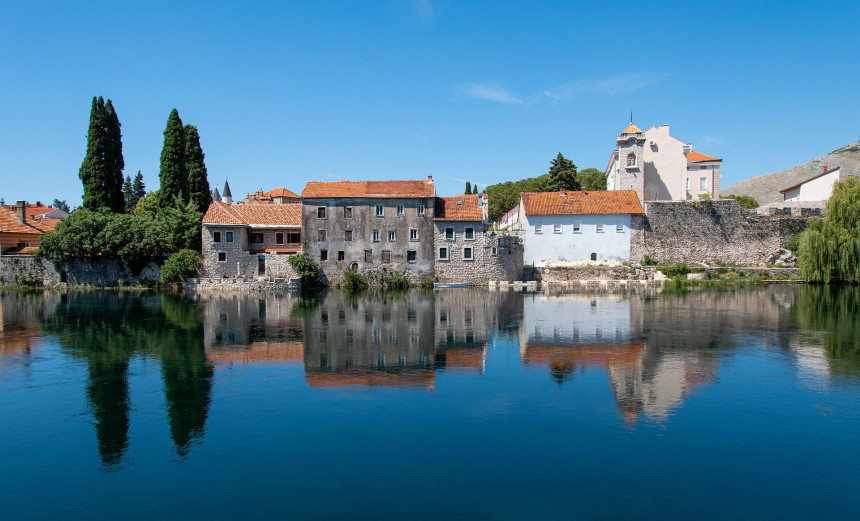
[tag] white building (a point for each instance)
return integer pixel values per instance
(816, 188)
(570, 228)
(660, 167)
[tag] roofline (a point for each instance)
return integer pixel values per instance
(792, 187)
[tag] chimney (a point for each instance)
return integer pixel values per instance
(21, 206)
(430, 178)
(825, 169)
(562, 192)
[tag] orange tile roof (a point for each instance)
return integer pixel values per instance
(281, 192)
(9, 223)
(278, 250)
(631, 129)
(420, 379)
(372, 189)
(617, 356)
(698, 156)
(286, 352)
(447, 208)
(254, 214)
(581, 203)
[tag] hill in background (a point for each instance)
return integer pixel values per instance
(765, 188)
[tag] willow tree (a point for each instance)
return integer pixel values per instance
(830, 247)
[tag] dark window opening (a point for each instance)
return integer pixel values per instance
(257, 238)
(229, 236)
(341, 255)
(594, 256)
(321, 212)
(323, 255)
(411, 256)
(279, 238)
(216, 237)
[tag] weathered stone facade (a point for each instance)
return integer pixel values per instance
(709, 231)
(21, 269)
(495, 256)
(239, 257)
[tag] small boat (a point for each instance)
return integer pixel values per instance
(440, 285)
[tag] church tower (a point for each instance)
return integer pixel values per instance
(629, 164)
(227, 197)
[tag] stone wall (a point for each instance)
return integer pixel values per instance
(495, 256)
(78, 272)
(708, 231)
(577, 273)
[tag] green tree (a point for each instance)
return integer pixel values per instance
(830, 247)
(562, 174)
(180, 266)
(138, 191)
(92, 171)
(113, 160)
(173, 173)
(504, 196)
(60, 205)
(179, 225)
(591, 179)
(148, 204)
(468, 187)
(198, 183)
(126, 193)
(475, 189)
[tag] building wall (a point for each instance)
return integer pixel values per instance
(11, 240)
(239, 261)
(818, 189)
(496, 255)
(665, 166)
(695, 171)
(558, 249)
(630, 178)
(362, 224)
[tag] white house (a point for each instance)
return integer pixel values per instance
(570, 228)
(660, 167)
(816, 188)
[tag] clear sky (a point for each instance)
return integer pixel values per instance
(287, 92)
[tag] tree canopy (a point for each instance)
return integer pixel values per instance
(562, 174)
(591, 179)
(830, 247)
(198, 182)
(173, 172)
(468, 188)
(101, 170)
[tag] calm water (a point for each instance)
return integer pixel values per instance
(463, 404)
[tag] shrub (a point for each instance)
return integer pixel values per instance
(648, 260)
(675, 270)
(305, 268)
(180, 266)
(394, 280)
(747, 202)
(353, 281)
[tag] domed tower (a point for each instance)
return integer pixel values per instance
(629, 168)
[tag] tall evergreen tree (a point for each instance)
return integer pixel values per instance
(114, 163)
(126, 193)
(475, 189)
(562, 174)
(138, 190)
(198, 183)
(173, 174)
(93, 168)
(468, 187)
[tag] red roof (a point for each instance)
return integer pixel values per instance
(281, 192)
(9, 223)
(698, 156)
(459, 208)
(372, 189)
(254, 214)
(581, 203)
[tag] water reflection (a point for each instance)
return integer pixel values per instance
(655, 350)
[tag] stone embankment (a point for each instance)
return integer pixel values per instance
(241, 284)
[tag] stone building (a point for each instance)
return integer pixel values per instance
(250, 240)
(464, 251)
(568, 228)
(660, 167)
(369, 226)
(275, 196)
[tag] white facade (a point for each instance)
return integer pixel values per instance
(819, 188)
(567, 240)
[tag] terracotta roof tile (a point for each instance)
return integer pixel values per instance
(372, 189)
(631, 129)
(254, 214)
(698, 156)
(281, 192)
(9, 223)
(469, 209)
(581, 203)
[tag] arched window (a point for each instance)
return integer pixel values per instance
(631, 159)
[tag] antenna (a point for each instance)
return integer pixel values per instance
(631, 117)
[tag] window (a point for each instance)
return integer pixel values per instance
(279, 238)
(470, 234)
(467, 254)
(443, 253)
(229, 236)
(413, 234)
(323, 255)
(392, 236)
(222, 256)
(703, 183)
(347, 235)
(420, 209)
(494, 250)
(347, 212)
(688, 183)
(619, 226)
(399, 210)
(599, 226)
(449, 233)
(368, 256)
(321, 235)
(216, 237)
(379, 210)
(257, 238)
(386, 255)
(538, 227)
(631, 159)
(556, 227)
(594, 256)
(341, 255)
(321, 212)
(577, 226)
(375, 235)
(293, 238)
(411, 256)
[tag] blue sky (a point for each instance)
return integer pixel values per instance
(287, 92)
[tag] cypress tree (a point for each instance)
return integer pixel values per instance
(475, 189)
(138, 190)
(198, 183)
(173, 175)
(468, 187)
(126, 193)
(113, 160)
(92, 171)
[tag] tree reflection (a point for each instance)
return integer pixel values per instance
(835, 310)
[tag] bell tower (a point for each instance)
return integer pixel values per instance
(629, 165)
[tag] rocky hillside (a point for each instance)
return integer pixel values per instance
(765, 188)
